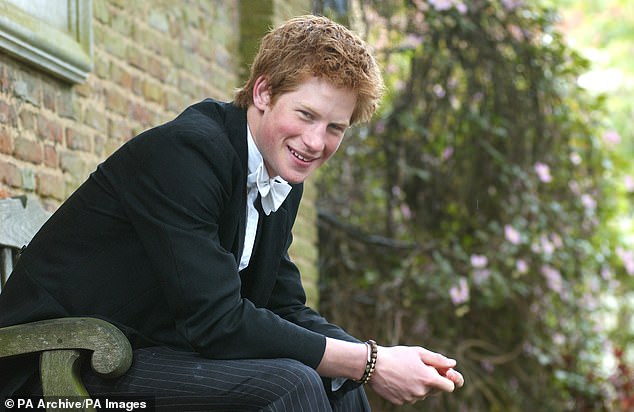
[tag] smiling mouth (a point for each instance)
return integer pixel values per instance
(299, 156)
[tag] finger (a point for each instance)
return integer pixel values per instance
(456, 377)
(436, 359)
(443, 384)
(453, 375)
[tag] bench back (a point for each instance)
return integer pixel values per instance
(20, 219)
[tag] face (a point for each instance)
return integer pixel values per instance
(302, 129)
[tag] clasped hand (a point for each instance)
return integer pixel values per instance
(407, 374)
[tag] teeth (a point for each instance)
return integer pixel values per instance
(297, 155)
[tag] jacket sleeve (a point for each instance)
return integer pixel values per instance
(176, 183)
(288, 299)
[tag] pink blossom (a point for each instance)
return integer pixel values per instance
(379, 127)
(447, 153)
(553, 279)
(412, 41)
(460, 293)
(441, 5)
(575, 158)
(547, 246)
(588, 202)
(481, 275)
(406, 211)
(574, 187)
(512, 235)
(543, 172)
(628, 181)
(521, 266)
(627, 257)
(611, 137)
(511, 5)
(479, 261)
(559, 339)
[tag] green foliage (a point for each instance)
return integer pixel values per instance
(487, 176)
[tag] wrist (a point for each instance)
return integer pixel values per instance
(370, 364)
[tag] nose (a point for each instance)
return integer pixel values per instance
(315, 138)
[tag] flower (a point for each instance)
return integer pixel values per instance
(628, 181)
(627, 257)
(511, 5)
(547, 246)
(512, 235)
(588, 202)
(447, 153)
(553, 279)
(575, 158)
(459, 293)
(479, 261)
(481, 275)
(521, 266)
(441, 4)
(611, 137)
(543, 172)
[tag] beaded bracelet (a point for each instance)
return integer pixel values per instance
(370, 363)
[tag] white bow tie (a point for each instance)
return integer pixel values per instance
(273, 192)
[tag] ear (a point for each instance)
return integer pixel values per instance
(261, 93)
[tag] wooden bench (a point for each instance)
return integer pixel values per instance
(62, 343)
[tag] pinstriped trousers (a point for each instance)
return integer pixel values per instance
(184, 381)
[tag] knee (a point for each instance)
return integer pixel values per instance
(300, 374)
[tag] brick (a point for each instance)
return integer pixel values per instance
(118, 131)
(116, 101)
(158, 69)
(6, 141)
(28, 120)
(121, 76)
(50, 129)
(76, 140)
(50, 156)
(28, 150)
(139, 112)
(121, 23)
(158, 20)
(96, 119)
(113, 43)
(100, 11)
(153, 92)
(7, 115)
(10, 174)
(5, 80)
(73, 164)
(49, 98)
(101, 68)
(67, 105)
(28, 179)
(136, 57)
(51, 184)
(27, 91)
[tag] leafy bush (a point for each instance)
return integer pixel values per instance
(477, 208)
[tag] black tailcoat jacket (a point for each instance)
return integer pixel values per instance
(151, 242)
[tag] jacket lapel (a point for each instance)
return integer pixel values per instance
(236, 126)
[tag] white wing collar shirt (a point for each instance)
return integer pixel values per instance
(273, 192)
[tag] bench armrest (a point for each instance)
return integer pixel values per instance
(111, 351)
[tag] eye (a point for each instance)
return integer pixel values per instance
(337, 128)
(306, 115)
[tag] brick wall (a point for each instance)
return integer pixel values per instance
(151, 59)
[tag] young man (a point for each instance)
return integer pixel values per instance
(180, 238)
